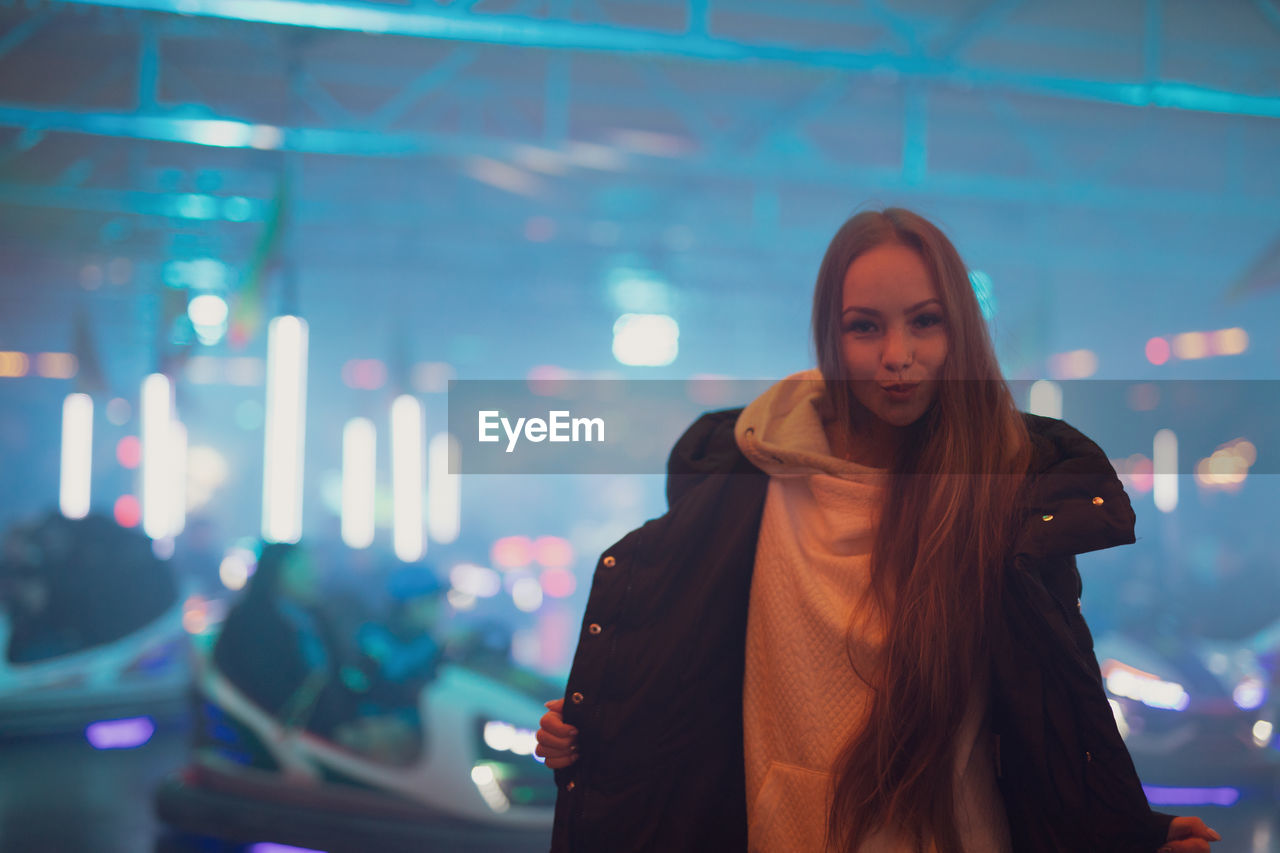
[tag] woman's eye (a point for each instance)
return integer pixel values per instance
(860, 327)
(927, 320)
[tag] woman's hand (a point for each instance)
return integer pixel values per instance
(1189, 835)
(557, 740)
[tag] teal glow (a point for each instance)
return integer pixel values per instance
(983, 290)
(237, 209)
(221, 133)
(638, 291)
(202, 274)
(195, 206)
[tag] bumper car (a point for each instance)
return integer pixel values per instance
(1210, 699)
(91, 630)
(472, 784)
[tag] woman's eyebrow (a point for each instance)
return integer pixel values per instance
(873, 312)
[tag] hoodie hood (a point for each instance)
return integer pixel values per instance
(781, 431)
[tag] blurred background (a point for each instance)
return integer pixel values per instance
(246, 244)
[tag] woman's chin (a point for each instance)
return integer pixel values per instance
(899, 416)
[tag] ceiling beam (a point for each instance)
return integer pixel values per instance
(568, 35)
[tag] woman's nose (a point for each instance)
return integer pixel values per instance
(897, 353)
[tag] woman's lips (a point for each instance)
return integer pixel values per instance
(899, 391)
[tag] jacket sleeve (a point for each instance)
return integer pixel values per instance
(655, 689)
(1067, 776)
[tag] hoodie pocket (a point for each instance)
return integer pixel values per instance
(790, 812)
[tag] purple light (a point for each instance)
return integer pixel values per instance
(120, 734)
(268, 847)
(1191, 796)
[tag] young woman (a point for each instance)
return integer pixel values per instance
(857, 626)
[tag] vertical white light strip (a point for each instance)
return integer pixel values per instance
(178, 476)
(285, 429)
(157, 419)
(359, 481)
(407, 477)
(444, 494)
(1046, 399)
(77, 455)
(1164, 461)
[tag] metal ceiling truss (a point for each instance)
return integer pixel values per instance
(937, 64)
(763, 142)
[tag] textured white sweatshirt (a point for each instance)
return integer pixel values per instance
(801, 698)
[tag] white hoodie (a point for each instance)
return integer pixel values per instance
(801, 697)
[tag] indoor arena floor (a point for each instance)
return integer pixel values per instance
(59, 795)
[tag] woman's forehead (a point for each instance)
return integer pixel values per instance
(888, 273)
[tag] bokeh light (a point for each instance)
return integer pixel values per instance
(554, 552)
(13, 364)
(646, 340)
(511, 552)
(1157, 351)
(1191, 345)
(236, 568)
(558, 583)
(127, 511)
(56, 365)
(476, 581)
(527, 594)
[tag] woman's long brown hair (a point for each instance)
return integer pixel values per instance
(943, 530)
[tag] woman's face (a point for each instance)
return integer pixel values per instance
(894, 333)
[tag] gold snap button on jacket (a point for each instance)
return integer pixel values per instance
(609, 561)
(1097, 501)
(576, 698)
(570, 785)
(594, 628)
(1048, 517)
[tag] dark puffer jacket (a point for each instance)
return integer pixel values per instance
(655, 690)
